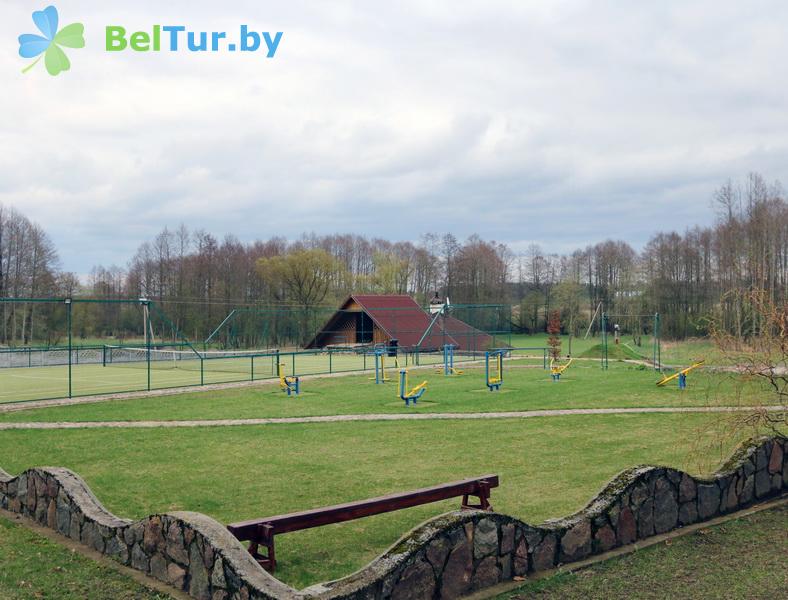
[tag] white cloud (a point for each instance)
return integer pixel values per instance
(562, 122)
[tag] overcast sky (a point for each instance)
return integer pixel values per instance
(557, 122)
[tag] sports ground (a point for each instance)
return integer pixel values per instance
(549, 466)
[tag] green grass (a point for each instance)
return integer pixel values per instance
(583, 385)
(675, 353)
(39, 383)
(614, 352)
(743, 558)
(688, 351)
(548, 468)
(32, 567)
(539, 340)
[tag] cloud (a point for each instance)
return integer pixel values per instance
(563, 122)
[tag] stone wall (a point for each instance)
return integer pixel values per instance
(447, 557)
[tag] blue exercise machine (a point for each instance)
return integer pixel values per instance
(380, 365)
(448, 361)
(412, 395)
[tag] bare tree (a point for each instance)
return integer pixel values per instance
(761, 358)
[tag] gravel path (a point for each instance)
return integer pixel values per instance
(528, 414)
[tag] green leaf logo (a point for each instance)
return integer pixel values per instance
(33, 45)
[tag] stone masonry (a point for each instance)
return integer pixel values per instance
(447, 557)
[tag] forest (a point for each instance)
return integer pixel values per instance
(197, 277)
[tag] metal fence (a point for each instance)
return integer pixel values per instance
(55, 348)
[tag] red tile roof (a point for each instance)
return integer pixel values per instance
(401, 318)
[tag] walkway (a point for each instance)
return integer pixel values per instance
(528, 414)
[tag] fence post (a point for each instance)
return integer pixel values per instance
(657, 345)
(146, 322)
(68, 310)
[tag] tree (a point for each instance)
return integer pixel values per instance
(760, 356)
(302, 276)
(568, 296)
(554, 330)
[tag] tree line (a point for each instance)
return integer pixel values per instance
(198, 278)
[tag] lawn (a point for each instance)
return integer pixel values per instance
(526, 387)
(743, 558)
(38, 383)
(548, 467)
(32, 567)
(674, 353)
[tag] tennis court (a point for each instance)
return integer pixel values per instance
(122, 369)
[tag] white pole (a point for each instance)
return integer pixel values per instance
(592, 321)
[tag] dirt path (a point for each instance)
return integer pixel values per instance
(528, 414)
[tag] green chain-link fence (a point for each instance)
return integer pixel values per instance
(56, 348)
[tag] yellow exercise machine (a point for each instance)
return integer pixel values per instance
(681, 375)
(493, 373)
(556, 370)
(287, 383)
(412, 395)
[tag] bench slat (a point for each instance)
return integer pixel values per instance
(339, 513)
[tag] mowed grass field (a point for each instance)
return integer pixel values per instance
(548, 467)
(34, 567)
(40, 383)
(673, 353)
(526, 387)
(743, 558)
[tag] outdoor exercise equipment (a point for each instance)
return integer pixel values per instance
(656, 349)
(288, 383)
(557, 369)
(412, 395)
(681, 375)
(380, 366)
(448, 361)
(494, 375)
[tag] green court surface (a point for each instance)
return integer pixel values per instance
(40, 383)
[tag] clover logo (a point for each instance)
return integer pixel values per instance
(32, 45)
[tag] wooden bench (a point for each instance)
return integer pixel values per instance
(261, 532)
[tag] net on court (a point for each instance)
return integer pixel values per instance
(229, 361)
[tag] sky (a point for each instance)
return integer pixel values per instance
(562, 123)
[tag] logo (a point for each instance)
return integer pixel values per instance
(177, 38)
(32, 45)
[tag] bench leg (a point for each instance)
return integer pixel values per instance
(264, 538)
(483, 495)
